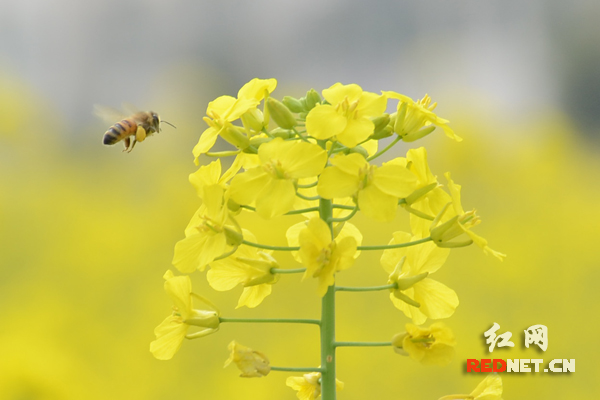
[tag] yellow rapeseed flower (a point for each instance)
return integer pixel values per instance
(252, 363)
(347, 117)
(488, 389)
(416, 119)
(452, 222)
(248, 266)
(210, 174)
(222, 111)
(309, 385)
(272, 184)
(375, 189)
(430, 346)
(207, 236)
(321, 255)
(418, 296)
(171, 332)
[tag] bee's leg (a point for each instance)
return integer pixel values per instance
(140, 134)
(126, 142)
(132, 145)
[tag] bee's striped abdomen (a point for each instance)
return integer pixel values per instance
(119, 131)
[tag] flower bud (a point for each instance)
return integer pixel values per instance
(454, 227)
(233, 206)
(419, 193)
(411, 137)
(204, 319)
(236, 136)
(256, 141)
(233, 237)
(293, 104)
(281, 114)
(358, 149)
(253, 120)
(384, 132)
(397, 343)
(312, 99)
(282, 133)
(381, 122)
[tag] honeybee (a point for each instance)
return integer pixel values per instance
(135, 128)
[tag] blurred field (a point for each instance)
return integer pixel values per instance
(87, 233)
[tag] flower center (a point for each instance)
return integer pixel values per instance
(275, 169)
(346, 108)
(365, 176)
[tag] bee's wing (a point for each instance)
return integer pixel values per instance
(130, 108)
(108, 114)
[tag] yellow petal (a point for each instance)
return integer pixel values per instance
(206, 142)
(437, 300)
(334, 182)
(356, 131)
(377, 205)
(179, 289)
(276, 198)
(427, 257)
(411, 312)
(419, 166)
(338, 92)
(292, 235)
(489, 389)
(169, 337)
(304, 160)
(220, 105)
(391, 257)
(483, 244)
(394, 180)
(323, 122)
(455, 193)
(372, 104)
(254, 295)
(245, 187)
(225, 276)
(345, 252)
(256, 88)
(350, 164)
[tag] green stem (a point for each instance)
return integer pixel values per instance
(272, 320)
(362, 344)
(389, 146)
(287, 271)
(307, 197)
(343, 207)
(328, 387)
(365, 289)
(394, 246)
(304, 210)
(299, 135)
(297, 369)
(308, 185)
(346, 218)
(267, 247)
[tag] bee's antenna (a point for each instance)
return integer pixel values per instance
(168, 123)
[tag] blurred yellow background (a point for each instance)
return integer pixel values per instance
(87, 231)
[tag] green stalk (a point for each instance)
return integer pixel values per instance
(394, 246)
(328, 390)
(296, 369)
(272, 320)
(366, 288)
(389, 146)
(362, 344)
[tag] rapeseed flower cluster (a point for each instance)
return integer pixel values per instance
(318, 156)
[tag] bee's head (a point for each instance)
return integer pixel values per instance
(155, 121)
